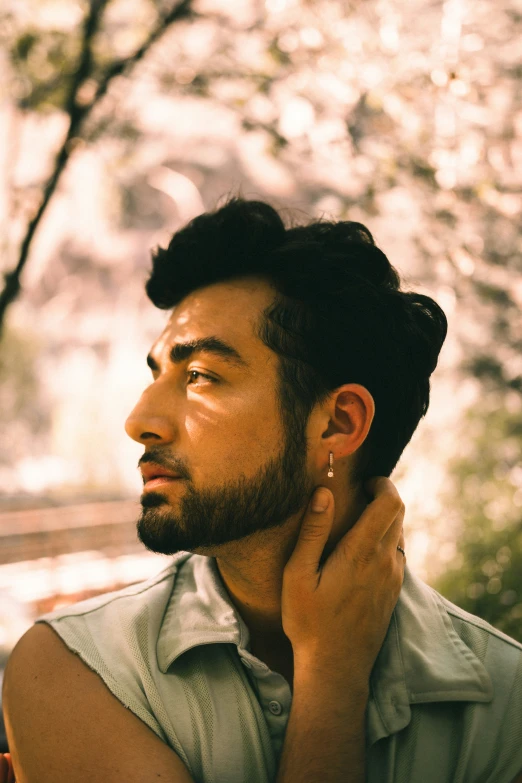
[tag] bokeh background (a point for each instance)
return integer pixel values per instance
(120, 120)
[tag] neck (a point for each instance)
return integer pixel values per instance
(252, 569)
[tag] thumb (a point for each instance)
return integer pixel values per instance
(314, 532)
(5, 776)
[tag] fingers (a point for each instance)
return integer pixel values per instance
(377, 486)
(381, 521)
(380, 524)
(401, 555)
(6, 769)
(383, 514)
(395, 533)
(314, 532)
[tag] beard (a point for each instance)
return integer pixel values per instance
(207, 518)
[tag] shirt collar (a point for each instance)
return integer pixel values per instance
(422, 658)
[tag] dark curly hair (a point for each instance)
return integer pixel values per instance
(338, 316)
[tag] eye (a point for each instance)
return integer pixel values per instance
(190, 373)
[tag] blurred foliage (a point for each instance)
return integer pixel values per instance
(485, 576)
(22, 399)
(45, 65)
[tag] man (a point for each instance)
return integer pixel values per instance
(291, 645)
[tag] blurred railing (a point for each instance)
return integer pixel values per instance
(51, 557)
(50, 532)
(55, 556)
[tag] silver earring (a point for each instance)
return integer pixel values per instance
(330, 469)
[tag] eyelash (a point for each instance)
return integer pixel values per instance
(208, 377)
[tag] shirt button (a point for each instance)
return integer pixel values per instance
(246, 663)
(275, 708)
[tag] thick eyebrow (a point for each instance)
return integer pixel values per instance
(181, 351)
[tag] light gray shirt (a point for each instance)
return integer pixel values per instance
(445, 700)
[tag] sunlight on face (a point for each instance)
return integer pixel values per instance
(211, 416)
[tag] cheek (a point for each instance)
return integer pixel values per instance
(260, 435)
(227, 440)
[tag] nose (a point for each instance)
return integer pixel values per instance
(147, 421)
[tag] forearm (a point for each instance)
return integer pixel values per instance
(325, 735)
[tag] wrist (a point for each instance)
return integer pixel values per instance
(315, 672)
(331, 684)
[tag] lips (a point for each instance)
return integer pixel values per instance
(160, 481)
(152, 471)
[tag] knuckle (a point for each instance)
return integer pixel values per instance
(363, 557)
(392, 499)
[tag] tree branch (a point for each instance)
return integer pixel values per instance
(77, 112)
(181, 11)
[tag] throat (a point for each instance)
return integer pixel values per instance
(279, 658)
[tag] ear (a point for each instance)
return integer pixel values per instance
(352, 410)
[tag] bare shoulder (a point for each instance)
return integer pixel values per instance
(64, 725)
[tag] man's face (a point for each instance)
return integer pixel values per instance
(242, 472)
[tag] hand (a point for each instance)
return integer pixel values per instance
(6, 769)
(336, 616)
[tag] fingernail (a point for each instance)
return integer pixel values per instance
(320, 500)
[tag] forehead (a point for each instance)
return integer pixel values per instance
(228, 310)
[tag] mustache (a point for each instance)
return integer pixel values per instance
(160, 458)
